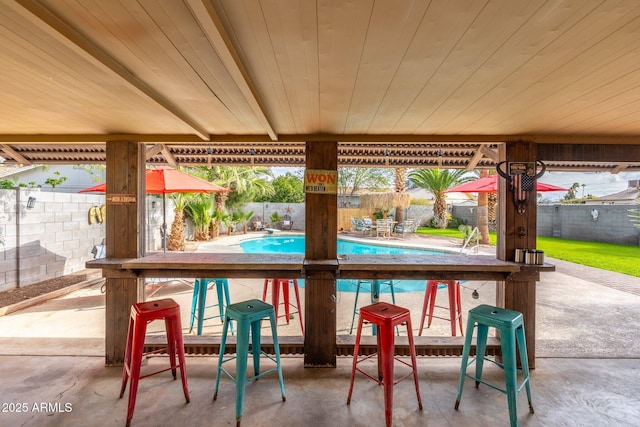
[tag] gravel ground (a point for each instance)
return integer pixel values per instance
(13, 296)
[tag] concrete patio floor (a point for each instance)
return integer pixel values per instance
(587, 365)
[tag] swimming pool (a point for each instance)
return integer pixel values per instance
(295, 245)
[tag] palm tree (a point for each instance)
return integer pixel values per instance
(175, 242)
(437, 181)
(200, 209)
(400, 187)
(243, 219)
(483, 213)
(244, 181)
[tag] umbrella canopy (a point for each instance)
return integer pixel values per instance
(489, 184)
(163, 181)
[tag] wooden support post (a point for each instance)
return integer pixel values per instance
(124, 239)
(515, 231)
(321, 237)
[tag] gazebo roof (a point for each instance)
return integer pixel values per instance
(414, 84)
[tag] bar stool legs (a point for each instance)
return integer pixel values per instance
(276, 284)
(374, 288)
(510, 324)
(455, 304)
(386, 317)
(198, 302)
(248, 315)
(141, 314)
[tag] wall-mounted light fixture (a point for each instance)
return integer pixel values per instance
(31, 202)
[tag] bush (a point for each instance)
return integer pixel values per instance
(465, 230)
(455, 223)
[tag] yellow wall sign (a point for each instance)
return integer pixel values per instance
(320, 181)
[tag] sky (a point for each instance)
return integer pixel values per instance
(595, 183)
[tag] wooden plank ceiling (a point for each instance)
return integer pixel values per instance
(439, 83)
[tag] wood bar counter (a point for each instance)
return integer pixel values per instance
(241, 265)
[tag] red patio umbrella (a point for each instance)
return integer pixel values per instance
(489, 184)
(168, 180)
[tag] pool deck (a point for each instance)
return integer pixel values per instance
(587, 363)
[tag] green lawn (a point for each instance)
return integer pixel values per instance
(619, 258)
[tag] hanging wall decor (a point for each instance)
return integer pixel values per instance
(521, 177)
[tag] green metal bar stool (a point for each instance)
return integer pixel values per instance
(198, 302)
(510, 324)
(248, 314)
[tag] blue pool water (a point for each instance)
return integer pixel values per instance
(295, 245)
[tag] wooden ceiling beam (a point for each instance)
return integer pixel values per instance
(619, 168)
(19, 158)
(152, 151)
(372, 139)
(603, 153)
(475, 159)
(221, 42)
(85, 47)
(171, 160)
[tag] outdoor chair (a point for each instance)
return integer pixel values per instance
(383, 227)
(367, 224)
(359, 225)
(257, 223)
(287, 223)
(406, 226)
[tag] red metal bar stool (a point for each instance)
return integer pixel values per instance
(275, 298)
(455, 304)
(386, 317)
(142, 314)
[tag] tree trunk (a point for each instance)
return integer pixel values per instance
(440, 212)
(400, 186)
(483, 213)
(175, 241)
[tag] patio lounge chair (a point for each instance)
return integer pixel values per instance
(257, 223)
(368, 224)
(406, 226)
(287, 223)
(359, 225)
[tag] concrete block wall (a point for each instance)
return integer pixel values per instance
(576, 222)
(612, 224)
(49, 240)
(264, 210)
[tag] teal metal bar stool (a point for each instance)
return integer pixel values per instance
(249, 315)
(199, 300)
(510, 324)
(375, 289)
